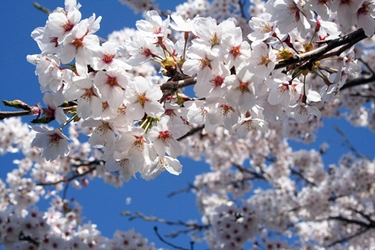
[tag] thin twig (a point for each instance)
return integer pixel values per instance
(367, 217)
(166, 242)
(249, 171)
(8, 114)
(350, 221)
(349, 144)
(67, 180)
(191, 132)
(300, 175)
(182, 190)
(191, 227)
(41, 8)
(345, 239)
(358, 81)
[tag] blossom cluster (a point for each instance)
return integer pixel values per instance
(61, 227)
(126, 95)
(237, 84)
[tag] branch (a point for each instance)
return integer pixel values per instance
(319, 53)
(364, 225)
(166, 242)
(176, 85)
(366, 216)
(182, 190)
(93, 163)
(191, 132)
(41, 8)
(367, 97)
(8, 114)
(249, 171)
(191, 227)
(18, 104)
(349, 144)
(33, 110)
(300, 175)
(351, 221)
(345, 239)
(23, 237)
(358, 81)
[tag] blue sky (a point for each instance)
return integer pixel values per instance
(102, 204)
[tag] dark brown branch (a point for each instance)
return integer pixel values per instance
(300, 175)
(365, 226)
(358, 81)
(67, 180)
(191, 227)
(191, 132)
(166, 242)
(319, 53)
(345, 239)
(367, 97)
(351, 221)
(176, 85)
(182, 190)
(349, 144)
(8, 114)
(28, 110)
(23, 237)
(41, 8)
(249, 171)
(366, 216)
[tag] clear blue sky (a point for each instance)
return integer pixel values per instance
(102, 203)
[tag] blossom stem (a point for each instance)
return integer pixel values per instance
(68, 121)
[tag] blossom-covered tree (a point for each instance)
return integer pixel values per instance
(230, 82)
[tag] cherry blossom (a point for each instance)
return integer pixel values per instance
(126, 107)
(164, 137)
(262, 59)
(54, 111)
(262, 28)
(241, 89)
(52, 141)
(111, 85)
(143, 98)
(346, 11)
(289, 15)
(61, 22)
(153, 26)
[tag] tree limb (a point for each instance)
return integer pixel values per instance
(75, 176)
(319, 53)
(166, 242)
(176, 85)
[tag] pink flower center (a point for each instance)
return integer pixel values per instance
(164, 135)
(68, 26)
(112, 81)
(243, 87)
(146, 52)
(225, 109)
(235, 51)
(139, 142)
(54, 139)
(142, 99)
(78, 42)
(88, 94)
(217, 81)
(107, 58)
